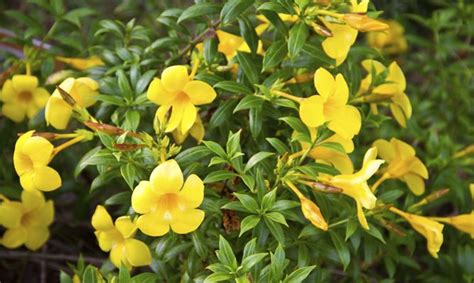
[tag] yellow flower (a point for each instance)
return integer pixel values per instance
(26, 222)
(331, 106)
(22, 97)
(463, 222)
(327, 155)
(164, 201)
(229, 44)
(261, 28)
(392, 89)
(391, 41)
(178, 91)
(343, 36)
(402, 164)
(430, 229)
(81, 63)
(196, 131)
(310, 210)
(31, 158)
(355, 185)
(364, 23)
(119, 239)
(58, 112)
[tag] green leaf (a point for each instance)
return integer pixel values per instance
(210, 50)
(74, 16)
(268, 200)
(199, 10)
(248, 223)
(275, 229)
(144, 81)
(216, 148)
(233, 144)
(256, 158)
(128, 172)
(334, 146)
(277, 144)
(234, 87)
(248, 33)
(341, 249)
(132, 120)
(317, 54)
(247, 201)
(277, 217)
(225, 254)
(124, 84)
(375, 232)
(276, 22)
(223, 113)
(100, 157)
(351, 227)
(252, 260)
(281, 205)
(199, 244)
(218, 277)
(275, 54)
(250, 69)
(256, 121)
(234, 8)
(120, 198)
(84, 161)
(64, 277)
(296, 125)
(124, 274)
(89, 275)
(250, 248)
(299, 275)
(191, 155)
(217, 176)
(249, 102)
(297, 38)
(278, 263)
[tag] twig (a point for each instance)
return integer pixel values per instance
(41, 256)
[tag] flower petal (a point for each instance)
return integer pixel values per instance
(324, 83)
(361, 216)
(415, 183)
(385, 149)
(166, 178)
(137, 253)
(189, 117)
(158, 94)
(8, 93)
(101, 220)
(311, 111)
(143, 198)
(345, 121)
(32, 200)
(10, 214)
(176, 117)
(419, 168)
(36, 237)
(402, 149)
(27, 181)
(45, 215)
(14, 112)
(187, 221)
(117, 255)
(41, 96)
(57, 113)
(24, 83)
(153, 224)
(13, 238)
(200, 92)
(174, 78)
(192, 193)
(39, 150)
(341, 93)
(46, 179)
(125, 226)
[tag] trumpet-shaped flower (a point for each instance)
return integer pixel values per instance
(310, 210)
(196, 131)
(31, 158)
(324, 153)
(463, 222)
(26, 221)
(119, 239)
(343, 36)
(331, 106)
(81, 63)
(165, 202)
(355, 185)
(430, 229)
(391, 41)
(393, 88)
(403, 164)
(178, 91)
(22, 97)
(83, 90)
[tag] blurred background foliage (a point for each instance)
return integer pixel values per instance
(438, 64)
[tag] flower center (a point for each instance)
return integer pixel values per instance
(182, 97)
(26, 219)
(25, 96)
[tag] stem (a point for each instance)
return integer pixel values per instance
(28, 69)
(195, 68)
(67, 144)
(380, 181)
(329, 13)
(288, 96)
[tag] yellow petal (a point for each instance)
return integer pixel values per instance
(46, 179)
(340, 161)
(398, 114)
(10, 214)
(403, 102)
(158, 94)
(396, 75)
(176, 117)
(85, 90)
(41, 96)
(13, 238)
(125, 225)
(345, 121)
(81, 63)
(361, 216)
(385, 149)
(419, 168)
(189, 117)
(197, 130)
(402, 149)
(137, 253)
(117, 255)
(105, 242)
(370, 155)
(192, 193)
(24, 83)
(174, 78)
(166, 178)
(370, 64)
(341, 93)
(187, 221)
(144, 199)
(200, 92)
(415, 183)
(21, 162)
(312, 212)
(32, 200)
(8, 93)
(36, 238)
(14, 112)
(44, 216)
(31, 110)
(311, 111)
(463, 222)
(27, 181)
(324, 83)
(101, 219)
(153, 224)
(57, 113)
(39, 150)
